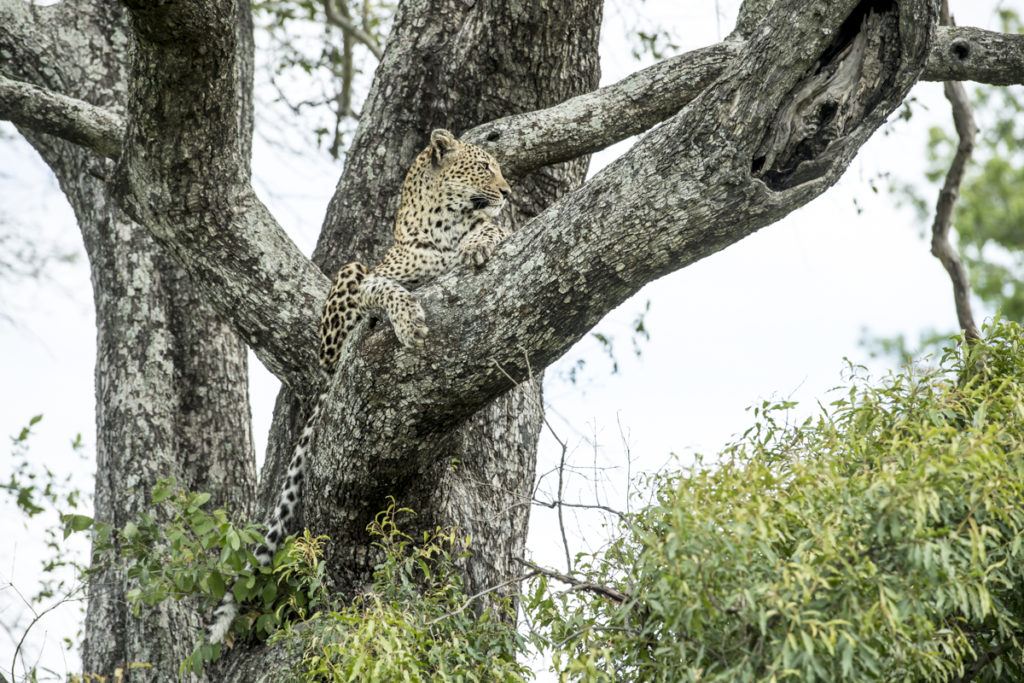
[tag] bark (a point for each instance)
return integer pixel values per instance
(171, 385)
(67, 118)
(751, 130)
(973, 54)
(184, 173)
(942, 248)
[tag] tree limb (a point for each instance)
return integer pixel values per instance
(942, 249)
(73, 120)
(256, 275)
(184, 174)
(581, 125)
(974, 54)
(593, 121)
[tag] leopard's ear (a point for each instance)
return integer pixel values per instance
(441, 144)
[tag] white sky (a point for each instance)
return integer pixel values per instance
(772, 316)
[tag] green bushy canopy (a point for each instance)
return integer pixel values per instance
(881, 540)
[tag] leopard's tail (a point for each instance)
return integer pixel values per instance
(283, 513)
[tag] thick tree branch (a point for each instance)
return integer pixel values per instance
(579, 126)
(184, 174)
(593, 121)
(256, 275)
(260, 275)
(270, 291)
(974, 54)
(44, 111)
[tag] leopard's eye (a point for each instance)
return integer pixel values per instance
(485, 165)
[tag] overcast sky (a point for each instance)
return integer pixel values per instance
(772, 316)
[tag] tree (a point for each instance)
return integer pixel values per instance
(144, 112)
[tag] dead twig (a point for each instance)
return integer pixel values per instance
(476, 596)
(608, 592)
(585, 506)
(942, 249)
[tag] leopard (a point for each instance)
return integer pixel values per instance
(448, 205)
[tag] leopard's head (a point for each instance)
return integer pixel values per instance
(464, 176)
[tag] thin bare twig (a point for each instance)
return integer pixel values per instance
(35, 620)
(561, 463)
(604, 591)
(942, 249)
(561, 519)
(338, 15)
(629, 459)
(586, 506)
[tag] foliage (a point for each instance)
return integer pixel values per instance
(35, 490)
(45, 503)
(180, 550)
(415, 623)
(604, 341)
(880, 541)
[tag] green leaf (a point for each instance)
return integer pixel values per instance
(269, 593)
(73, 523)
(162, 490)
(215, 583)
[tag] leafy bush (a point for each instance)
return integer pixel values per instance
(186, 551)
(880, 541)
(415, 623)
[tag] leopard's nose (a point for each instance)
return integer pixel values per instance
(506, 193)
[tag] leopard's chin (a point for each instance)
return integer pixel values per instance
(495, 208)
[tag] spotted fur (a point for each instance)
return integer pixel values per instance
(449, 199)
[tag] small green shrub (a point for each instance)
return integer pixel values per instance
(415, 623)
(186, 551)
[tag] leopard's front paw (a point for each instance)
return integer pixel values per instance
(476, 253)
(410, 323)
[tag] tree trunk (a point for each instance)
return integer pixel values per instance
(481, 471)
(171, 375)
